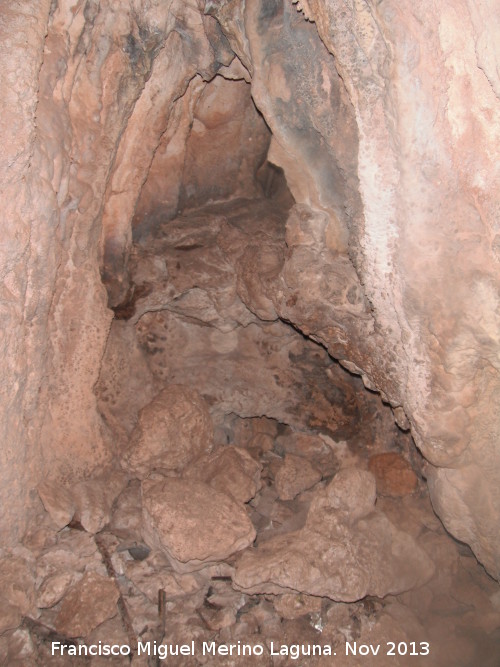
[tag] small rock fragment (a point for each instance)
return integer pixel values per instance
(172, 430)
(295, 605)
(94, 499)
(126, 520)
(351, 492)
(54, 588)
(58, 502)
(311, 447)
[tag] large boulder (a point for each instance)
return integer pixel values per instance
(87, 604)
(193, 523)
(346, 550)
(172, 430)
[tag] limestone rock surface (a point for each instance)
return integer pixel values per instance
(230, 470)
(17, 593)
(85, 606)
(310, 447)
(172, 430)
(58, 502)
(193, 523)
(295, 605)
(54, 588)
(296, 474)
(94, 499)
(346, 549)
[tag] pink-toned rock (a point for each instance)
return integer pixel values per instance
(17, 593)
(127, 513)
(94, 499)
(311, 447)
(230, 470)
(257, 268)
(86, 605)
(352, 493)
(393, 474)
(398, 132)
(149, 578)
(54, 588)
(75, 552)
(295, 605)
(88, 502)
(345, 551)
(296, 474)
(172, 430)
(58, 502)
(17, 649)
(193, 523)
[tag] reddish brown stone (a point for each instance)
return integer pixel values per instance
(296, 474)
(393, 474)
(88, 604)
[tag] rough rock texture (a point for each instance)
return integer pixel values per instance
(312, 448)
(17, 591)
(296, 605)
(189, 168)
(87, 502)
(53, 589)
(394, 475)
(191, 327)
(58, 502)
(88, 604)
(296, 474)
(230, 470)
(406, 133)
(385, 120)
(457, 611)
(193, 523)
(345, 551)
(172, 430)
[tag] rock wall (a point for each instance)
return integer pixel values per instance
(22, 31)
(73, 72)
(385, 119)
(425, 91)
(390, 146)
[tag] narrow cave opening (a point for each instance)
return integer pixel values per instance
(266, 483)
(236, 456)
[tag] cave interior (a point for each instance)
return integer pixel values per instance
(251, 411)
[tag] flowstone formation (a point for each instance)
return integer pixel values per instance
(249, 343)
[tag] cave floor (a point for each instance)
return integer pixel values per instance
(292, 452)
